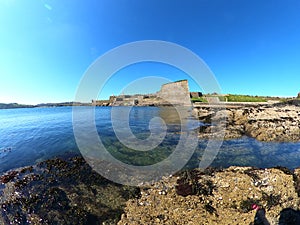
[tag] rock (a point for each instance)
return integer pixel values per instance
(61, 191)
(228, 199)
(8, 177)
(279, 123)
(67, 191)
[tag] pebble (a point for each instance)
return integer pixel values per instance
(162, 193)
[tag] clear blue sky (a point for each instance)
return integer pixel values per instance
(252, 46)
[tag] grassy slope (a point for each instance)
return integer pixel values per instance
(239, 98)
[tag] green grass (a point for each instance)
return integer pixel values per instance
(232, 98)
(241, 98)
(200, 99)
(245, 98)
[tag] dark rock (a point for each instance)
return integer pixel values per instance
(62, 191)
(8, 177)
(289, 217)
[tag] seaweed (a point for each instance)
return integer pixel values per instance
(59, 191)
(209, 208)
(8, 177)
(189, 184)
(234, 205)
(272, 200)
(284, 170)
(250, 173)
(246, 205)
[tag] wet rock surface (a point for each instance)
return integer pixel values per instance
(236, 195)
(65, 190)
(278, 122)
(61, 191)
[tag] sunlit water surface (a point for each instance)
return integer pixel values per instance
(28, 136)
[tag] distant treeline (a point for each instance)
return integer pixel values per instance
(16, 105)
(63, 104)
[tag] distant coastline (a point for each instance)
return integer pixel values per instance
(195, 101)
(14, 106)
(151, 100)
(62, 104)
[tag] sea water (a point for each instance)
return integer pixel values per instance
(31, 135)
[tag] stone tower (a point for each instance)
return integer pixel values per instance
(176, 93)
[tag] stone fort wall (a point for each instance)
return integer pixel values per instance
(175, 93)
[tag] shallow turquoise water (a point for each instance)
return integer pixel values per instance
(28, 136)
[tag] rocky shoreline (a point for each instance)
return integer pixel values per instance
(276, 122)
(65, 190)
(237, 195)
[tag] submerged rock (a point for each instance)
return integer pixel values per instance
(61, 191)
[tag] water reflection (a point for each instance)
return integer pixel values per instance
(247, 151)
(28, 136)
